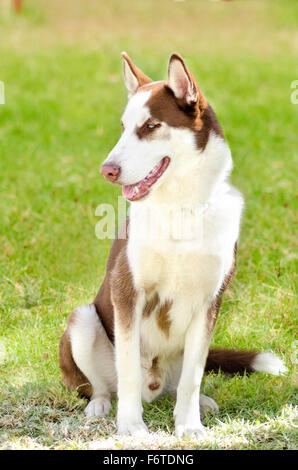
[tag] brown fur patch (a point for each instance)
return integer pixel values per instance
(215, 305)
(163, 319)
(154, 374)
(145, 132)
(123, 293)
(151, 304)
(71, 374)
(164, 107)
(162, 311)
(102, 301)
(155, 363)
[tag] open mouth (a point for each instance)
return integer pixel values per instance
(133, 192)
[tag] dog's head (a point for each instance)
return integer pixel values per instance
(163, 122)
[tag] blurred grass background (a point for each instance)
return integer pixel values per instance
(60, 63)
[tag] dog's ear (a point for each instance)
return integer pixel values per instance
(183, 84)
(133, 76)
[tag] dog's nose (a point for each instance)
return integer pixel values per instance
(110, 171)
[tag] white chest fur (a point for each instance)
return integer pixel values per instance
(188, 273)
(188, 267)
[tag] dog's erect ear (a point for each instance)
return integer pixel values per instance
(183, 84)
(133, 76)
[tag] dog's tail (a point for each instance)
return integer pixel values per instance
(233, 362)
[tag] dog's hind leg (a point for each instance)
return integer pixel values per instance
(87, 360)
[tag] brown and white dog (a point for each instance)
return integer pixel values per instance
(149, 327)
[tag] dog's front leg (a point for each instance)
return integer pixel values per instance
(187, 409)
(128, 364)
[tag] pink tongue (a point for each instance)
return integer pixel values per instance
(136, 191)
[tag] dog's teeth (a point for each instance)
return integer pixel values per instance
(136, 190)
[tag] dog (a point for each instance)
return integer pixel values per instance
(148, 330)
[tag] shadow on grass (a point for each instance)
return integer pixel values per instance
(48, 413)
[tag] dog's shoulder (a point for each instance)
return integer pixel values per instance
(102, 301)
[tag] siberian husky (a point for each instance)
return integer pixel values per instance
(149, 328)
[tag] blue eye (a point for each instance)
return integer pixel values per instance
(153, 126)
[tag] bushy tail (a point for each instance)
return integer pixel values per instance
(233, 362)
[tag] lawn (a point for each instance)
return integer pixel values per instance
(60, 63)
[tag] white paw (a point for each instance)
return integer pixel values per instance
(194, 431)
(135, 428)
(99, 406)
(208, 404)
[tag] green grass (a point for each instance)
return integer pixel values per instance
(64, 96)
